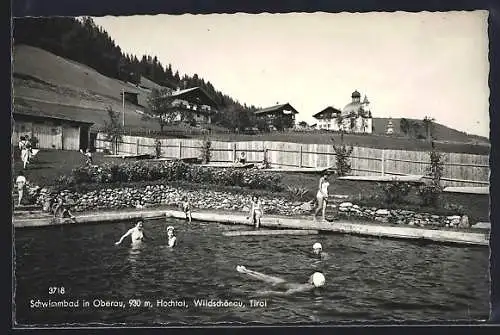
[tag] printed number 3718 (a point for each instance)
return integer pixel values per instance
(56, 290)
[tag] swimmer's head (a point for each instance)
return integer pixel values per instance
(140, 224)
(317, 248)
(317, 279)
(170, 230)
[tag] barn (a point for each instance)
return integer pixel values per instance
(51, 131)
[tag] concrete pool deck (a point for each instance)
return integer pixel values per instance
(478, 237)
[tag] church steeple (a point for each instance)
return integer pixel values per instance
(356, 96)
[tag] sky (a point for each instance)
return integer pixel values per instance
(408, 64)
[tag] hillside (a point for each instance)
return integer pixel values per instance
(441, 132)
(42, 78)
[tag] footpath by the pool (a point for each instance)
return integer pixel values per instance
(479, 237)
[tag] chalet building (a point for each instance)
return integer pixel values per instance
(279, 116)
(195, 101)
(355, 117)
(327, 118)
(51, 130)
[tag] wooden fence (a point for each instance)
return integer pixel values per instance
(459, 169)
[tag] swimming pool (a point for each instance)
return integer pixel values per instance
(367, 278)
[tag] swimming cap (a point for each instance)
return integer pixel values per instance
(317, 245)
(318, 279)
(170, 228)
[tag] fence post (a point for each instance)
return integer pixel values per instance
(234, 152)
(300, 157)
(180, 149)
(383, 163)
(137, 147)
(266, 158)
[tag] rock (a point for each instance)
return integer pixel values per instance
(382, 212)
(346, 204)
(482, 225)
(382, 219)
(464, 222)
(306, 206)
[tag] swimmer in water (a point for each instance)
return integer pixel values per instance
(317, 279)
(172, 240)
(136, 233)
(318, 251)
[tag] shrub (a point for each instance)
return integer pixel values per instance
(206, 153)
(456, 209)
(265, 162)
(395, 192)
(174, 171)
(431, 193)
(297, 192)
(64, 182)
(158, 148)
(342, 157)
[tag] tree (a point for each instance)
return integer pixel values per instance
(303, 124)
(340, 122)
(404, 126)
(364, 124)
(113, 128)
(352, 122)
(161, 105)
(428, 125)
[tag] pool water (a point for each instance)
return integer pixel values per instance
(367, 279)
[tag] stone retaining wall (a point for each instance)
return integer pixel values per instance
(153, 195)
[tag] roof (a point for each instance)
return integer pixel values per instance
(195, 94)
(48, 110)
(328, 109)
(276, 108)
(356, 94)
(352, 107)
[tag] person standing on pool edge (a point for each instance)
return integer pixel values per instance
(186, 208)
(136, 233)
(322, 196)
(256, 211)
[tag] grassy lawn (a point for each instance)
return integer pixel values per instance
(50, 164)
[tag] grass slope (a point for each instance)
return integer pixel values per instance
(42, 77)
(441, 132)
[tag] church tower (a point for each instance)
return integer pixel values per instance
(390, 127)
